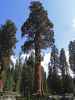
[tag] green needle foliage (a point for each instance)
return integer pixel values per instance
(40, 35)
(38, 28)
(72, 55)
(7, 41)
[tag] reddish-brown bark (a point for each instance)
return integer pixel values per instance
(38, 79)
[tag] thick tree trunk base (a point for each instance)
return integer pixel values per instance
(38, 93)
(38, 80)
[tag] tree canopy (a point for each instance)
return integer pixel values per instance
(7, 41)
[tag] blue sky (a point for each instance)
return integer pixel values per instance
(61, 12)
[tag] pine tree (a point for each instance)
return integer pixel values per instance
(65, 72)
(39, 30)
(17, 74)
(53, 78)
(54, 59)
(72, 59)
(72, 55)
(7, 42)
(27, 77)
(63, 63)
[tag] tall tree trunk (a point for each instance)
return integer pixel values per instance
(38, 79)
(38, 71)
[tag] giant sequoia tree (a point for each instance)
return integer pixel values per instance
(39, 30)
(7, 42)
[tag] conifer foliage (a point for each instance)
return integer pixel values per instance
(39, 30)
(63, 63)
(72, 55)
(7, 41)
